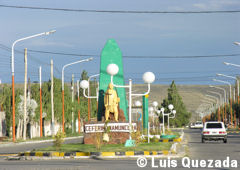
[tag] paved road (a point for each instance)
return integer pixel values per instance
(198, 151)
(212, 149)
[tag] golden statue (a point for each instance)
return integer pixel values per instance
(111, 101)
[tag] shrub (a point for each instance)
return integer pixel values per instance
(137, 137)
(154, 139)
(98, 141)
(59, 139)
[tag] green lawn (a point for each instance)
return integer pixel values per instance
(159, 146)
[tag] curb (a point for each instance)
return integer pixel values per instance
(91, 154)
(171, 140)
(233, 131)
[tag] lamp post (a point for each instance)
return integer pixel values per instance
(151, 111)
(217, 102)
(148, 77)
(174, 114)
(225, 99)
(220, 103)
(170, 107)
(84, 84)
(89, 99)
(76, 62)
(230, 95)
(12, 66)
(234, 79)
(236, 65)
(213, 97)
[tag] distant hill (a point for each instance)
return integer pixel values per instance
(192, 95)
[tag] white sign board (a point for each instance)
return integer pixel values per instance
(114, 127)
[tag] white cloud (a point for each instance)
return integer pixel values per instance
(217, 5)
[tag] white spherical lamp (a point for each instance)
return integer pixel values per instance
(174, 111)
(151, 109)
(148, 77)
(112, 69)
(170, 107)
(158, 112)
(155, 104)
(138, 103)
(162, 109)
(84, 84)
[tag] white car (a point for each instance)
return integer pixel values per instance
(198, 125)
(214, 131)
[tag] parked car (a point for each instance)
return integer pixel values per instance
(214, 131)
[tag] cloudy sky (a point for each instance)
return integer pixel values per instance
(152, 34)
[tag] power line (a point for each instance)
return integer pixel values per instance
(69, 54)
(136, 56)
(116, 11)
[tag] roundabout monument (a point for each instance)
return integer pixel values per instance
(114, 115)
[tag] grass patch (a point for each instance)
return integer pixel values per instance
(159, 146)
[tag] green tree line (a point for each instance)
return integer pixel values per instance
(69, 106)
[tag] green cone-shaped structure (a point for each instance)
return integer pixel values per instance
(111, 54)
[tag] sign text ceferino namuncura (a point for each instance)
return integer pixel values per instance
(114, 127)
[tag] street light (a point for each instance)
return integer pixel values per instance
(234, 79)
(231, 64)
(148, 77)
(170, 107)
(236, 43)
(230, 95)
(138, 103)
(76, 62)
(225, 95)
(84, 84)
(220, 103)
(225, 99)
(89, 99)
(12, 65)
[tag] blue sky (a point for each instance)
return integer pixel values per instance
(136, 34)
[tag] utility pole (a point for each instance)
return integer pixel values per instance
(25, 96)
(89, 104)
(72, 103)
(29, 99)
(53, 127)
(40, 94)
(79, 120)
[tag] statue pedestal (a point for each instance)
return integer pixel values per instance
(114, 138)
(119, 132)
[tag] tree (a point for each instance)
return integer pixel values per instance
(84, 75)
(182, 115)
